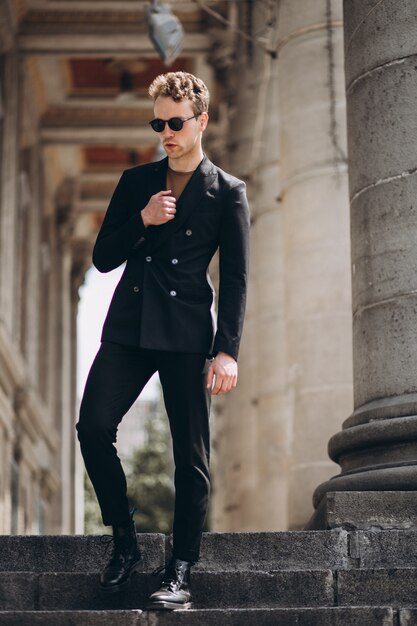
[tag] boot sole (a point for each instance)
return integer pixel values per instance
(167, 606)
(110, 589)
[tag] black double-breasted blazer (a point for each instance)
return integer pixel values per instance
(163, 299)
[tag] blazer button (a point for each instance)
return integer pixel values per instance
(172, 293)
(189, 232)
(135, 288)
(174, 261)
(149, 259)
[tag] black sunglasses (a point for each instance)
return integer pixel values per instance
(175, 123)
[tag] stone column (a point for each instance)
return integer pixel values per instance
(314, 197)
(8, 197)
(33, 280)
(64, 340)
(252, 435)
(377, 447)
(273, 430)
(234, 441)
(67, 417)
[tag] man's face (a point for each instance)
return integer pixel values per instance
(187, 141)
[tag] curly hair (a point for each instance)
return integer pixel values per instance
(181, 86)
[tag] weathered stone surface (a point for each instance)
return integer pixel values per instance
(389, 548)
(255, 589)
(407, 617)
(70, 591)
(384, 242)
(384, 408)
(302, 105)
(382, 331)
(273, 551)
(18, 591)
(210, 590)
(330, 616)
(274, 617)
(383, 441)
(401, 478)
(376, 587)
(354, 591)
(70, 618)
(71, 553)
(383, 142)
(367, 510)
(220, 551)
(374, 32)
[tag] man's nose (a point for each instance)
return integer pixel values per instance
(167, 132)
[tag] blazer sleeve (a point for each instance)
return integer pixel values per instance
(122, 231)
(233, 272)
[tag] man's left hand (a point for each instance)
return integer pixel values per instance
(223, 371)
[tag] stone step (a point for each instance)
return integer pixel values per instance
(62, 553)
(273, 551)
(396, 587)
(336, 549)
(240, 589)
(71, 618)
(330, 616)
(220, 551)
(379, 549)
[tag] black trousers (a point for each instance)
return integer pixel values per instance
(117, 377)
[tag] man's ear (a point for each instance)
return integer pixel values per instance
(204, 118)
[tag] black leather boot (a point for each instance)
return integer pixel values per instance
(124, 561)
(174, 592)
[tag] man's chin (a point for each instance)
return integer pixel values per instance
(174, 154)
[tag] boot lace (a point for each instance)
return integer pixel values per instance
(108, 541)
(170, 583)
(175, 577)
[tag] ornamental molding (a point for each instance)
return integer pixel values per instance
(93, 117)
(50, 20)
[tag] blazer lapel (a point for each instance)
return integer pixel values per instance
(156, 183)
(190, 198)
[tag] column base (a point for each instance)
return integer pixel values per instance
(366, 510)
(377, 454)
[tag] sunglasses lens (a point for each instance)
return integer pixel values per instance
(158, 125)
(175, 123)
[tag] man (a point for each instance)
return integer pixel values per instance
(167, 219)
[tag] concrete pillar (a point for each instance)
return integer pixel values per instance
(315, 226)
(8, 199)
(33, 279)
(273, 439)
(378, 444)
(234, 433)
(67, 416)
(251, 440)
(63, 341)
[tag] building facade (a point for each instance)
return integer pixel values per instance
(73, 115)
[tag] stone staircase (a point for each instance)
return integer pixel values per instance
(306, 578)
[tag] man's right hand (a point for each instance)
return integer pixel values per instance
(160, 209)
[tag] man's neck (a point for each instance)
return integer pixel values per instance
(188, 163)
